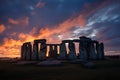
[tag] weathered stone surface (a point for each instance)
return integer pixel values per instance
(76, 40)
(92, 51)
(83, 54)
(83, 49)
(53, 44)
(51, 52)
(35, 52)
(87, 50)
(72, 52)
(83, 38)
(66, 41)
(28, 51)
(43, 50)
(63, 51)
(40, 41)
(100, 51)
(22, 52)
(55, 51)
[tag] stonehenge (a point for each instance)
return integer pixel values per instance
(88, 49)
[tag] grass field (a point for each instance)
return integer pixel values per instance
(103, 70)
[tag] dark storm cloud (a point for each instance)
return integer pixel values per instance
(107, 21)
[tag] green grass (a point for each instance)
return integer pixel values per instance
(104, 70)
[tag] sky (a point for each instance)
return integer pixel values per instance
(56, 20)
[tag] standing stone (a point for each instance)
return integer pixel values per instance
(24, 51)
(92, 51)
(51, 52)
(63, 51)
(43, 50)
(29, 51)
(82, 47)
(83, 54)
(72, 52)
(41, 53)
(35, 52)
(55, 51)
(100, 50)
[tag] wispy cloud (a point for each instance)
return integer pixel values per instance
(40, 4)
(21, 21)
(2, 28)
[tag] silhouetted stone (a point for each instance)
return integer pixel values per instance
(35, 52)
(43, 50)
(40, 41)
(87, 50)
(24, 51)
(63, 51)
(29, 51)
(40, 53)
(100, 50)
(92, 51)
(72, 52)
(83, 48)
(51, 52)
(55, 51)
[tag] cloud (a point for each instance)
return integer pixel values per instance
(2, 28)
(10, 47)
(64, 29)
(51, 34)
(100, 22)
(21, 21)
(40, 4)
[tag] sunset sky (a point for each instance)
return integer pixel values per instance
(55, 20)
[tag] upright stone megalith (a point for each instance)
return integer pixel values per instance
(35, 52)
(100, 51)
(72, 52)
(63, 51)
(28, 50)
(88, 49)
(83, 48)
(43, 50)
(51, 52)
(22, 52)
(92, 51)
(55, 51)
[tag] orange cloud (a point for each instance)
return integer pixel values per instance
(53, 35)
(33, 31)
(2, 28)
(21, 21)
(40, 4)
(10, 47)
